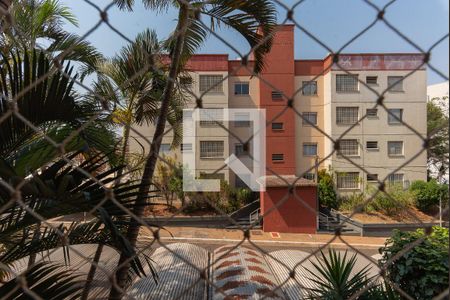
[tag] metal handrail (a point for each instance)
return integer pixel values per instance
(256, 212)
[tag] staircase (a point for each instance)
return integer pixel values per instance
(330, 221)
(246, 217)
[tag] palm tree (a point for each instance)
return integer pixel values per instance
(334, 277)
(253, 19)
(40, 23)
(51, 186)
(137, 98)
(53, 108)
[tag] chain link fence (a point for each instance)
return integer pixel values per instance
(17, 202)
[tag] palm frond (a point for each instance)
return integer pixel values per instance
(333, 276)
(48, 281)
(49, 101)
(254, 20)
(61, 189)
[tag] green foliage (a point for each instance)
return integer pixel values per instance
(334, 277)
(438, 131)
(391, 205)
(327, 194)
(46, 281)
(245, 196)
(429, 193)
(423, 271)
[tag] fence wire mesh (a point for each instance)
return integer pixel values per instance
(22, 206)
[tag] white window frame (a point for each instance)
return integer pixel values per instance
(372, 180)
(345, 115)
(211, 83)
(239, 149)
(240, 84)
(397, 178)
(275, 157)
(397, 83)
(277, 96)
(211, 117)
(310, 176)
(308, 115)
(392, 120)
(348, 181)
(349, 148)
(346, 83)
(186, 147)
(278, 129)
(372, 148)
(372, 116)
(391, 146)
(372, 83)
(309, 88)
(212, 149)
(242, 120)
(307, 153)
(165, 148)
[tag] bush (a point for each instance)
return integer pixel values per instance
(327, 194)
(422, 272)
(352, 202)
(428, 194)
(245, 196)
(393, 204)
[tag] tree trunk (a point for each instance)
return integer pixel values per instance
(123, 154)
(91, 274)
(117, 291)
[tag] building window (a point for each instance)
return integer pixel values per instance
(349, 148)
(310, 149)
(277, 126)
(395, 148)
(372, 80)
(211, 149)
(242, 120)
(277, 95)
(277, 157)
(347, 83)
(395, 83)
(309, 88)
(372, 177)
(186, 83)
(396, 179)
(211, 83)
(348, 181)
(218, 176)
(372, 113)
(310, 176)
(372, 145)
(211, 117)
(395, 116)
(165, 148)
(309, 118)
(347, 115)
(241, 88)
(186, 147)
(239, 149)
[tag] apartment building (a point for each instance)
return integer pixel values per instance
(310, 104)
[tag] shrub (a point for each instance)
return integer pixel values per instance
(352, 202)
(327, 194)
(388, 205)
(428, 194)
(422, 272)
(245, 196)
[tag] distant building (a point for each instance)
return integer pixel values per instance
(332, 103)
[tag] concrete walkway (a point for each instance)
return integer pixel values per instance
(257, 236)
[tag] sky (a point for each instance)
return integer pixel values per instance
(334, 22)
